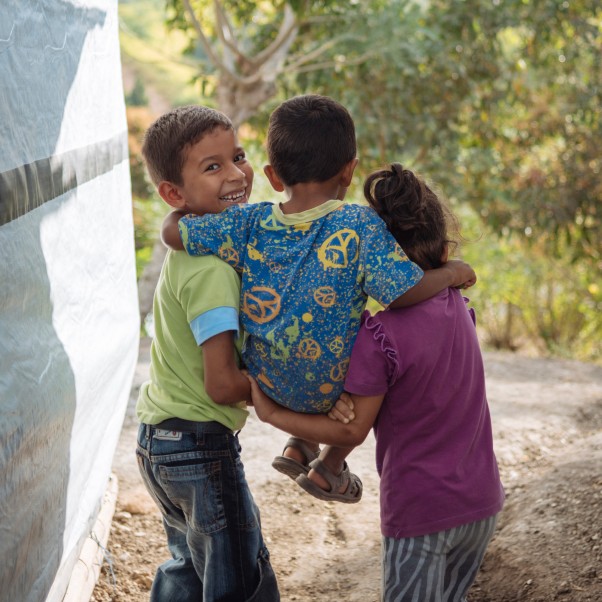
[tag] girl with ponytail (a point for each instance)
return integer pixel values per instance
(440, 489)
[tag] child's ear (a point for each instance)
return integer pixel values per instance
(347, 173)
(171, 195)
(275, 181)
(445, 254)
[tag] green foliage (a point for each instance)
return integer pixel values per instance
(148, 216)
(538, 140)
(524, 297)
(500, 102)
(257, 26)
(155, 55)
(148, 209)
(138, 118)
(137, 97)
(497, 103)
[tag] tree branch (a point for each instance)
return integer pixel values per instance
(224, 23)
(268, 63)
(287, 33)
(263, 62)
(293, 64)
(328, 64)
(217, 62)
(226, 34)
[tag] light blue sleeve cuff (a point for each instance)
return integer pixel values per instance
(214, 321)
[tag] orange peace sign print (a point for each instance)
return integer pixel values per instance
(338, 372)
(325, 296)
(229, 255)
(340, 249)
(310, 349)
(274, 266)
(336, 346)
(261, 304)
(322, 406)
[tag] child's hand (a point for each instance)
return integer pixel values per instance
(343, 409)
(463, 276)
(264, 406)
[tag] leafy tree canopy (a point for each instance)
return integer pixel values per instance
(497, 101)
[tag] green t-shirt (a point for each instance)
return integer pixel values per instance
(187, 288)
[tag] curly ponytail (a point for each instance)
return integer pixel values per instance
(412, 212)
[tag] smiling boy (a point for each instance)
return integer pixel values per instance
(192, 406)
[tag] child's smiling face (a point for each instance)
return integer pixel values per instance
(216, 174)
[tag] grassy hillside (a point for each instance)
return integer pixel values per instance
(154, 54)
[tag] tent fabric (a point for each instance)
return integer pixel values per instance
(69, 320)
(27, 187)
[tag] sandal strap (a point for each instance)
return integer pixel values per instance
(310, 454)
(355, 486)
(333, 480)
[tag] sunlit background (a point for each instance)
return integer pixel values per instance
(497, 103)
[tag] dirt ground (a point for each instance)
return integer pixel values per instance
(547, 418)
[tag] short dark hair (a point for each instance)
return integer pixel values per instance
(413, 213)
(168, 138)
(310, 139)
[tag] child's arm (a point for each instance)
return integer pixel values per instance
(225, 234)
(393, 280)
(224, 382)
(319, 427)
(454, 273)
(170, 233)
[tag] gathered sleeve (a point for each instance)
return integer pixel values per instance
(374, 363)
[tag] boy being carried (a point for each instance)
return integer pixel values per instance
(188, 452)
(417, 375)
(308, 266)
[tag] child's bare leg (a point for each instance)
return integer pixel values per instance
(334, 459)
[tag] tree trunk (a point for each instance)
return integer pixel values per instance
(240, 101)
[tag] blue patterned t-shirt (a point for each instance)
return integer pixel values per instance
(306, 278)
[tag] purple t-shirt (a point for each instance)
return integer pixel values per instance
(434, 445)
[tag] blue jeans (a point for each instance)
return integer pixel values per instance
(197, 479)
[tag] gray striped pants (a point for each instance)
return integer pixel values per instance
(439, 567)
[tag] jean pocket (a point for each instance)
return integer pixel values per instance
(197, 490)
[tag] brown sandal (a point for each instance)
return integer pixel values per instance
(352, 493)
(290, 467)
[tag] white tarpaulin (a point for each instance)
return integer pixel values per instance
(68, 306)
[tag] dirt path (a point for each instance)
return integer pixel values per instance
(547, 417)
